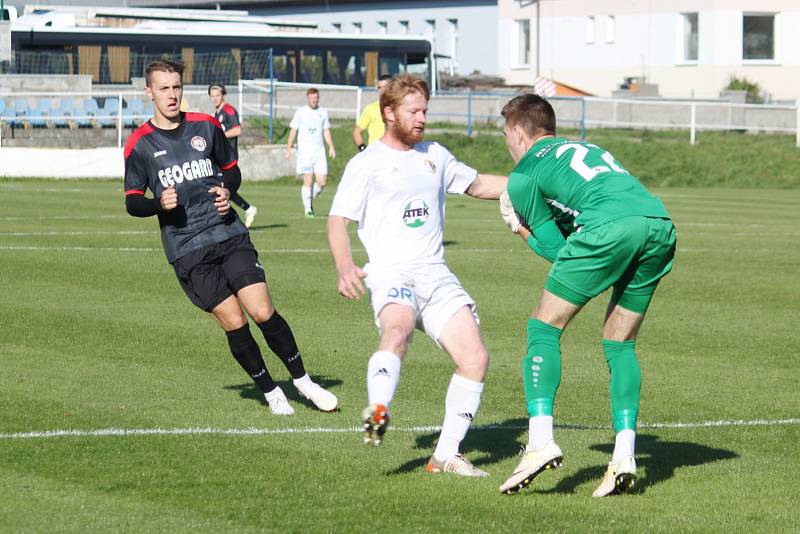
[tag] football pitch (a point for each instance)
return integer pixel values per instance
(122, 409)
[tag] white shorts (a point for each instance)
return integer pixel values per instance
(313, 162)
(431, 290)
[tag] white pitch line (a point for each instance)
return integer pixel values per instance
(450, 250)
(119, 432)
(64, 218)
(107, 232)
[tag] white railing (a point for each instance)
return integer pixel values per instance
(271, 100)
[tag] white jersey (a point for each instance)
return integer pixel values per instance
(398, 197)
(310, 124)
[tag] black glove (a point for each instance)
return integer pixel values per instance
(361, 147)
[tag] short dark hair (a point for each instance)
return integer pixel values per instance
(217, 86)
(312, 91)
(532, 113)
(162, 65)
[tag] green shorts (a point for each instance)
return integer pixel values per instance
(630, 254)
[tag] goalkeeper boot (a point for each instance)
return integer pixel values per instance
(376, 421)
(278, 403)
(457, 465)
(619, 478)
(531, 464)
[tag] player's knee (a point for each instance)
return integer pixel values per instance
(474, 364)
(263, 312)
(395, 338)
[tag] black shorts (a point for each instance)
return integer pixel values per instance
(210, 275)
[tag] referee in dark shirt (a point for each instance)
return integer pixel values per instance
(188, 164)
(228, 117)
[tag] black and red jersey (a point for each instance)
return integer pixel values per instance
(228, 117)
(191, 157)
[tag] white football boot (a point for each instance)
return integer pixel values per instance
(322, 399)
(376, 420)
(457, 465)
(278, 403)
(531, 464)
(619, 478)
(250, 214)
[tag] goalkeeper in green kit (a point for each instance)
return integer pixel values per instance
(578, 208)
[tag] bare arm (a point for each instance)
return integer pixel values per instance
(350, 275)
(326, 134)
(487, 186)
(236, 131)
(357, 137)
(290, 142)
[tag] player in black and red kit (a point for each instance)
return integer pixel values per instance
(228, 117)
(186, 161)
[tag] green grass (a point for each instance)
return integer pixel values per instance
(96, 334)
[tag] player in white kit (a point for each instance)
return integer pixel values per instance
(310, 125)
(395, 190)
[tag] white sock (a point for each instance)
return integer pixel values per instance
(305, 194)
(623, 445)
(461, 405)
(316, 189)
(540, 432)
(303, 383)
(383, 375)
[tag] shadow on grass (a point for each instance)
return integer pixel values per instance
(494, 443)
(250, 391)
(260, 227)
(659, 459)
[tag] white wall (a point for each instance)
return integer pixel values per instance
(476, 47)
(647, 42)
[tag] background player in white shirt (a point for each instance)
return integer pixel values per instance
(310, 125)
(395, 190)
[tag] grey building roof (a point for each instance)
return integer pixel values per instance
(230, 4)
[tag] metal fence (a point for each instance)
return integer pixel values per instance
(105, 117)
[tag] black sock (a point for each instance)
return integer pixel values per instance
(240, 201)
(245, 349)
(281, 340)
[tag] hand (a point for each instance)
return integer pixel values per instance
(287, 154)
(350, 282)
(169, 199)
(221, 199)
(508, 214)
(331, 152)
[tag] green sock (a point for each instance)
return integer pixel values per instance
(541, 368)
(626, 381)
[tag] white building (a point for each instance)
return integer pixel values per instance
(690, 48)
(463, 32)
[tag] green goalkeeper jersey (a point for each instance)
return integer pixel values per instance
(577, 185)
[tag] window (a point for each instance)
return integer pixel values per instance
(589, 31)
(611, 28)
(523, 42)
(357, 27)
(758, 36)
(431, 23)
(337, 27)
(690, 36)
(453, 23)
(383, 27)
(403, 27)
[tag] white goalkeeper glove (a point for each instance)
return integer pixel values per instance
(508, 214)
